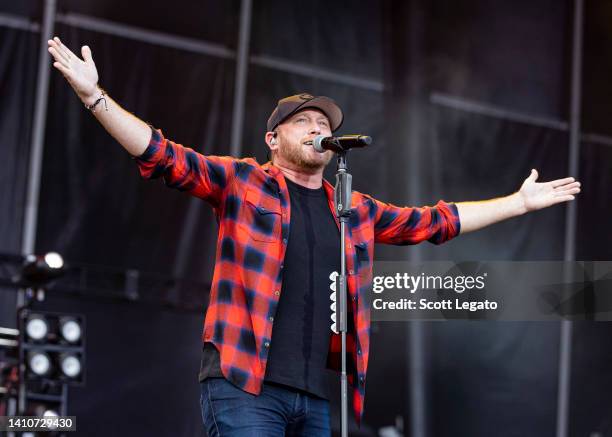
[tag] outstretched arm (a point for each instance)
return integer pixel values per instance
(531, 197)
(131, 132)
(181, 167)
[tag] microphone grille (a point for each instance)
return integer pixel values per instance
(317, 143)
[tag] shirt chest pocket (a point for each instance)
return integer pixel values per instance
(262, 217)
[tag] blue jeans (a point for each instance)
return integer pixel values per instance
(277, 411)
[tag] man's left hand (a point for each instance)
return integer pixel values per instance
(538, 195)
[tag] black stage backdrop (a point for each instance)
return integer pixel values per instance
(483, 378)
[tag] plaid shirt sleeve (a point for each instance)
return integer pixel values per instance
(185, 169)
(408, 225)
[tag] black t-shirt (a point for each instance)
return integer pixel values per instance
(301, 330)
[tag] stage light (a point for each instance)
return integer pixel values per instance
(39, 363)
(54, 260)
(52, 347)
(36, 327)
(70, 329)
(70, 365)
(50, 413)
(37, 271)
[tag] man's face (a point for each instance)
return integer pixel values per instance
(294, 132)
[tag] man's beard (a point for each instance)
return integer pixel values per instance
(296, 155)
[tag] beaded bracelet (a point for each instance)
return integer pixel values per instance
(92, 107)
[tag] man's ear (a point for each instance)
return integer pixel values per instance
(271, 140)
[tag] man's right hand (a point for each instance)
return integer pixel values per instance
(130, 131)
(82, 75)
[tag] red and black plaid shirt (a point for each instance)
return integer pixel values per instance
(251, 203)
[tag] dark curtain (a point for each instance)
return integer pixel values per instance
(18, 63)
(494, 378)
(498, 377)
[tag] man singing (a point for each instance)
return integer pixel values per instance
(268, 346)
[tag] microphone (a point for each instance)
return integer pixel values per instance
(341, 144)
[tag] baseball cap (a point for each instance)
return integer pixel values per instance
(288, 106)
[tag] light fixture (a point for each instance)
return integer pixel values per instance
(54, 260)
(52, 347)
(70, 365)
(38, 271)
(36, 327)
(39, 363)
(70, 329)
(50, 413)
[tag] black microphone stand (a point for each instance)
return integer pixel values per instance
(342, 203)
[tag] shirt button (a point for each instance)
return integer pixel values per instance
(351, 272)
(267, 344)
(282, 265)
(277, 293)
(361, 380)
(271, 318)
(284, 241)
(354, 298)
(358, 351)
